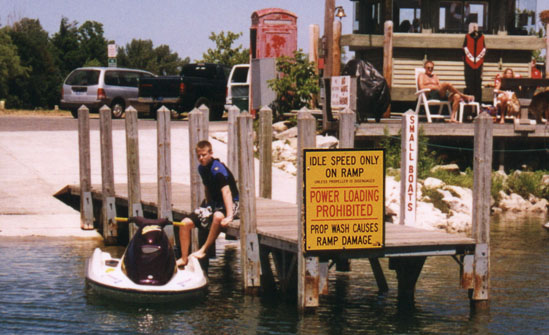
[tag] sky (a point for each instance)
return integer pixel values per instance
(183, 25)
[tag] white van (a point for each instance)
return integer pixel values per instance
(98, 86)
(238, 87)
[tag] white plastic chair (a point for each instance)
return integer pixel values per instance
(423, 101)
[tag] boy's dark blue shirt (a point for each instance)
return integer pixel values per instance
(215, 176)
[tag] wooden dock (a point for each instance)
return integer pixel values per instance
(270, 231)
(277, 223)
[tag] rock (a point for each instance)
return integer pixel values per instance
(326, 142)
(280, 126)
(292, 132)
(454, 168)
(539, 207)
(514, 203)
(283, 151)
(459, 222)
(432, 183)
(545, 179)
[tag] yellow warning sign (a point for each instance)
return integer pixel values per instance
(344, 192)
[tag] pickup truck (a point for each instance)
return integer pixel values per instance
(198, 84)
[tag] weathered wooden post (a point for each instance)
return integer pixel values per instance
(249, 244)
(347, 120)
(307, 267)
(388, 55)
(132, 162)
(164, 167)
(196, 134)
(108, 211)
(336, 65)
(86, 203)
(232, 153)
(482, 182)
(265, 152)
(206, 121)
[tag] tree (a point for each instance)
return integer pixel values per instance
(295, 83)
(92, 43)
(67, 47)
(140, 54)
(41, 87)
(10, 65)
(224, 53)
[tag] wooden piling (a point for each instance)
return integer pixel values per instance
(388, 58)
(232, 154)
(164, 163)
(196, 134)
(336, 65)
(482, 181)
(265, 152)
(132, 162)
(307, 267)
(249, 243)
(108, 211)
(205, 121)
(86, 203)
(347, 120)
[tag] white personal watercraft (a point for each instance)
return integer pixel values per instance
(147, 271)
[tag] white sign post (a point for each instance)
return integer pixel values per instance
(112, 52)
(408, 168)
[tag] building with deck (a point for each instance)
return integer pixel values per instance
(435, 30)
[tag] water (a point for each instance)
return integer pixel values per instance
(42, 291)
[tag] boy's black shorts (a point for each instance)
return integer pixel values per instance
(202, 217)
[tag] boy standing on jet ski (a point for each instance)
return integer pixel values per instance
(221, 204)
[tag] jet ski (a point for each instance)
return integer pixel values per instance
(147, 271)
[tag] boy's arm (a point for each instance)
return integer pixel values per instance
(228, 202)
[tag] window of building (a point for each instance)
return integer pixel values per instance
(525, 17)
(455, 16)
(407, 14)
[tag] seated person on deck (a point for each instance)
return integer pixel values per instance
(441, 91)
(221, 204)
(506, 102)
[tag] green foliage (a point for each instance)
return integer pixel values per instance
(461, 179)
(427, 159)
(10, 65)
(392, 149)
(41, 87)
(525, 183)
(224, 52)
(92, 43)
(67, 47)
(140, 54)
(435, 197)
(295, 84)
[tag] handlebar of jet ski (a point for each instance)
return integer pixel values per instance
(123, 219)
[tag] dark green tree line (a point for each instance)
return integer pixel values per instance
(33, 65)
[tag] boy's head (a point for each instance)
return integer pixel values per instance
(204, 152)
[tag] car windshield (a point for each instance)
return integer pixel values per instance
(240, 75)
(83, 78)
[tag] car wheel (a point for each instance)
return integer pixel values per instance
(74, 113)
(117, 109)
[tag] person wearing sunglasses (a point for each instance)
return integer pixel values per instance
(441, 90)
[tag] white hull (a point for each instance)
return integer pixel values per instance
(104, 275)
